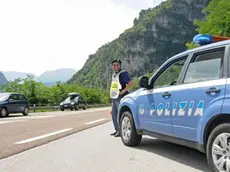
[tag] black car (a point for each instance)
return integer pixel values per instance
(13, 103)
(73, 101)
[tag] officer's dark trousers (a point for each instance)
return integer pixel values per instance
(115, 104)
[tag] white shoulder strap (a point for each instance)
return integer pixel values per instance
(122, 71)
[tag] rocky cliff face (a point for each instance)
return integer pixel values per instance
(3, 79)
(157, 34)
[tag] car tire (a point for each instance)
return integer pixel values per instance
(216, 147)
(26, 111)
(62, 109)
(85, 107)
(4, 113)
(77, 107)
(128, 131)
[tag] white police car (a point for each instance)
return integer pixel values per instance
(186, 101)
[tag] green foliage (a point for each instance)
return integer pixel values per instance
(38, 93)
(191, 45)
(217, 21)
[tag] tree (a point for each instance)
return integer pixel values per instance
(38, 93)
(217, 20)
(191, 45)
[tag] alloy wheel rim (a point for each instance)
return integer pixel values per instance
(221, 152)
(126, 128)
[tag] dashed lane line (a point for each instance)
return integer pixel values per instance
(27, 117)
(5, 122)
(43, 136)
(99, 120)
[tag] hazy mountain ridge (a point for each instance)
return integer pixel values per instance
(48, 77)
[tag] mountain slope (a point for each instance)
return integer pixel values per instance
(157, 34)
(3, 79)
(56, 75)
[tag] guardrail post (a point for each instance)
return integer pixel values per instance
(34, 107)
(53, 107)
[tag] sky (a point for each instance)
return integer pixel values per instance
(41, 35)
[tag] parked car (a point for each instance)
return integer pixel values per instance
(13, 103)
(186, 101)
(73, 101)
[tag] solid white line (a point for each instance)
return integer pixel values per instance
(5, 122)
(43, 136)
(92, 122)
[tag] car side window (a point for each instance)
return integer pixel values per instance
(13, 97)
(21, 97)
(205, 67)
(171, 74)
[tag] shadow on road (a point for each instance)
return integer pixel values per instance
(181, 154)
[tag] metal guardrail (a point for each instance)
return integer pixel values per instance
(34, 108)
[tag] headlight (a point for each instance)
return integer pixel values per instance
(72, 103)
(61, 104)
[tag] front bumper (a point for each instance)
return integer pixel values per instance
(68, 106)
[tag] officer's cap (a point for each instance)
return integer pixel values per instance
(116, 61)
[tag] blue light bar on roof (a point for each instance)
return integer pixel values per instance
(204, 39)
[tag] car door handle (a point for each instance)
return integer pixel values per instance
(212, 90)
(166, 94)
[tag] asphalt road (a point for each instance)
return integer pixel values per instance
(19, 133)
(94, 150)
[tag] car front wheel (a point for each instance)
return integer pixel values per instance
(218, 149)
(128, 131)
(77, 107)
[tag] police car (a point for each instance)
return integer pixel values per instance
(186, 101)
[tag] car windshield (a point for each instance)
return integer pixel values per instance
(3, 96)
(70, 98)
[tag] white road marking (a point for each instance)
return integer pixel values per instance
(29, 117)
(5, 122)
(92, 122)
(43, 136)
(37, 117)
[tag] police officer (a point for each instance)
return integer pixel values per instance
(120, 84)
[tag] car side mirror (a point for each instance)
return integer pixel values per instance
(144, 82)
(10, 100)
(173, 83)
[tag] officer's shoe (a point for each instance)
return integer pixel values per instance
(113, 134)
(117, 134)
